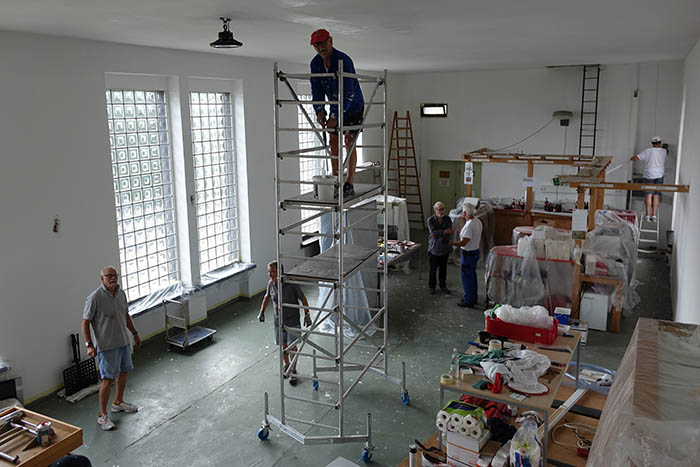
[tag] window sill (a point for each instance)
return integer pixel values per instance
(178, 291)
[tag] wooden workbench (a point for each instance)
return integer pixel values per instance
(591, 400)
(541, 403)
(68, 438)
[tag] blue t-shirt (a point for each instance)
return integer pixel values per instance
(327, 87)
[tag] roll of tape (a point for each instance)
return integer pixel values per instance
(446, 379)
(478, 352)
(494, 344)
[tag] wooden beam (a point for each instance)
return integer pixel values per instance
(581, 202)
(528, 196)
(629, 186)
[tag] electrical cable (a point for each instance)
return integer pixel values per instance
(524, 139)
(581, 442)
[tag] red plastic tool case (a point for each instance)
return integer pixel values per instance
(522, 333)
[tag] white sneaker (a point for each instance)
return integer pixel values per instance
(647, 218)
(124, 407)
(653, 218)
(105, 422)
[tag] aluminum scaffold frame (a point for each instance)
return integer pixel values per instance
(331, 269)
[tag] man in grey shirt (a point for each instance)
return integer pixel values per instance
(107, 310)
(291, 294)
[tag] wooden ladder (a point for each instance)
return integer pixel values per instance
(403, 170)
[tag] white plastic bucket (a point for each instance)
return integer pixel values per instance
(323, 187)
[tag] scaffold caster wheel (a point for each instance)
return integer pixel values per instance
(406, 399)
(366, 456)
(263, 434)
(315, 385)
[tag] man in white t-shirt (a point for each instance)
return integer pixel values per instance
(654, 159)
(469, 241)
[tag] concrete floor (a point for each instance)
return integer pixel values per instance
(204, 407)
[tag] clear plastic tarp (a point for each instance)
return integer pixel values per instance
(353, 298)
(518, 280)
(652, 414)
(610, 250)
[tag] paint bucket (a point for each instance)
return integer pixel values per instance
(323, 187)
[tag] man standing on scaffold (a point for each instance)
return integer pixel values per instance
(326, 61)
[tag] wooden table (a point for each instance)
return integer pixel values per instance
(541, 404)
(68, 438)
(591, 401)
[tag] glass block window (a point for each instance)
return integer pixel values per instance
(143, 190)
(215, 179)
(309, 167)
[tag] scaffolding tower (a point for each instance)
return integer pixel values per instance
(336, 344)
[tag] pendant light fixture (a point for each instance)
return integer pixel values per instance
(226, 40)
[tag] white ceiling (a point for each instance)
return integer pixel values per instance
(400, 35)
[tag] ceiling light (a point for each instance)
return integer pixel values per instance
(226, 40)
(563, 116)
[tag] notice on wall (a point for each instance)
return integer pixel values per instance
(468, 173)
(529, 182)
(444, 177)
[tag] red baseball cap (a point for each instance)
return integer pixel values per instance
(319, 35)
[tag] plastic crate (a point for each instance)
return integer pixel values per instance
(522, 333)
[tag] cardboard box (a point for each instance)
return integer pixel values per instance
(594, 309)
(456, 463)
(465, 449)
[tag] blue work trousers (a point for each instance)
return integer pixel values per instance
(469, 282)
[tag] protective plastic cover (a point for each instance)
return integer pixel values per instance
(614, 245)
(652, 414)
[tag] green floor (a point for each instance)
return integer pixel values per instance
(204, 407)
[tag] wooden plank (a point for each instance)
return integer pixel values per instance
(581, 201)
(645, 396)
(628, 186)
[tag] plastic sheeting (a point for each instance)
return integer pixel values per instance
(351, 297)
(518, 281)
(155, 299)
(396, 214)
(652, 414)
(613, 244)
(485, 214)
(532, 316)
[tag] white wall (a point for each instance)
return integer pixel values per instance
(55, 161)
(497, 108)
(685, 267)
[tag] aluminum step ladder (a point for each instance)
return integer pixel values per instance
(648, 236)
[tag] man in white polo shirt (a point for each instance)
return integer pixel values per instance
(107, 311)
(469, 241)
(654, 159)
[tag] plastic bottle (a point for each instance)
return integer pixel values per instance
(454, 364)
(412, 455)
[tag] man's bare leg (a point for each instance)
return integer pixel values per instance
(352, 161)
(656, 204)
(121, 384)
(334, 153)
(105, 390)
(647, 204)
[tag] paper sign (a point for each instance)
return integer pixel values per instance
(529, 182)
(468, 173)
(579, 220)
(444, 178)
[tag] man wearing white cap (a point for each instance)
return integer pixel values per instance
(654, 159)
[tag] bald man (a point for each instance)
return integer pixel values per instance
(107, 311)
